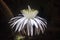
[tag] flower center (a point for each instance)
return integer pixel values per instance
(29, 13)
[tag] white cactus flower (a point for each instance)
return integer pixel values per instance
(29, 19)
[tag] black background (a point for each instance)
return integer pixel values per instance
(48, 9)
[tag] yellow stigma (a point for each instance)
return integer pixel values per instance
(29, 13)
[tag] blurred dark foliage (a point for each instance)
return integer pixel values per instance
(48, 9)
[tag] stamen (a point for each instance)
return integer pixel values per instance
(29, 8)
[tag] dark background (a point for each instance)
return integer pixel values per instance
(48, 9)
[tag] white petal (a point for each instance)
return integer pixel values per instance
(20, 27)
(25, 21)
(44, 24)
(34, 23)
(28, 28)
(11, 21)
(19, 23)
(16, 17)
(39, 23)
(42, 19)
(17, 26)
(31, 28)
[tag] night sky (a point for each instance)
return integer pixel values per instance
(48, 9)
